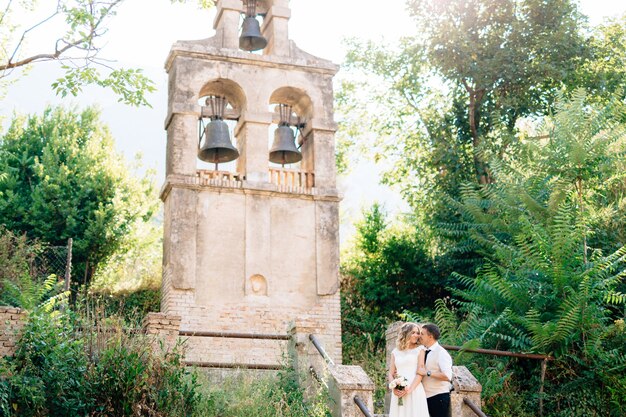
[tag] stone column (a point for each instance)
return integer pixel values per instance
(391, 336)
(323, 143)
(275, 28)
(304, 356)
(182, 144)
(226, 23)
(252, 138)
(180, 237)
(347, 382)
(327, 246)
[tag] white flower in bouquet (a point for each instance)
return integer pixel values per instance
(399, 383)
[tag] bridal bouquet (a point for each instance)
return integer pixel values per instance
(399, 383)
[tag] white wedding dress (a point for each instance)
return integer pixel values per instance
(413, 404)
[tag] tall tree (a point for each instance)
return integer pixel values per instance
(64, 179)
(476, 67)
(505, 56)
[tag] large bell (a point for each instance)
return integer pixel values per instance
(251, 39)
(217, 146)
(284, 149)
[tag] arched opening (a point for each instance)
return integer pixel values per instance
(221, 101)
(289, 165)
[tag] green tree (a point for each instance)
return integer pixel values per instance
(387, 270)
(603, 74)
(65, 179)
(476, 67)
(446, 101)
(504, 56)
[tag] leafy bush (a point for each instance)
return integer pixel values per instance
(58, 370)
(49, 373)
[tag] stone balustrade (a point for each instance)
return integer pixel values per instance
(292, 180)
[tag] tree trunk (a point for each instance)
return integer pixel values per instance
(480, 166)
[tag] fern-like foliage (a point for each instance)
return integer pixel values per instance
(29, 293)
(546, 284)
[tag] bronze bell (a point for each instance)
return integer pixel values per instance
(217, 146)
(284, 149)
(251, 39)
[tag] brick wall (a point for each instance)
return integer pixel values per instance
(12, 320)
(251, 318)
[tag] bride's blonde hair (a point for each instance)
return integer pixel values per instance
(403, 335)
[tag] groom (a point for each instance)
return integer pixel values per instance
(437, 372)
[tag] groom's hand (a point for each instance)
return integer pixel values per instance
(421, 371)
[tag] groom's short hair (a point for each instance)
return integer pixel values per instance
(433, 330)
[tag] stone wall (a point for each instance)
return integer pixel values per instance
(12, 320)
(163, 328)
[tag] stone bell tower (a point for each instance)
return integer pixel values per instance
(250, 245)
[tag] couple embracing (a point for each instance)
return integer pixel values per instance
(420, 373)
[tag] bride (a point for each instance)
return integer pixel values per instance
(405, 358)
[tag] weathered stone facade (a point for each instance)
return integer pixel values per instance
(250, 251)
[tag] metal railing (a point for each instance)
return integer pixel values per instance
(320, 349)
(192, 333)
(357, 400)
(359, 403)
(473, 407)
(500, 353)
(543, 358)
(223, 365)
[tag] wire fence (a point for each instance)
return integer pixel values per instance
(51, 260)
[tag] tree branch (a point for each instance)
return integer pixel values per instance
(88, 38)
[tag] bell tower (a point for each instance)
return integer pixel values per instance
(250, 201)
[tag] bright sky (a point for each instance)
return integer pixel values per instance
(144, 30)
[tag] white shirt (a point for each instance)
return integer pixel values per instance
(438, 360)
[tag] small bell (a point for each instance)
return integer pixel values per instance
(217, 146)
(284, 149)
(251, 38)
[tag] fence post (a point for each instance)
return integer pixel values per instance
(68, 265)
